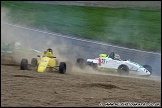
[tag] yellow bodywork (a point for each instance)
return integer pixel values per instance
(46, 63)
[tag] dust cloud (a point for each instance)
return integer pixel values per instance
(11, 34)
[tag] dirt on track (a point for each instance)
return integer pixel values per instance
(21, 88)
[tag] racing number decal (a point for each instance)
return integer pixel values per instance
(43, 60)
(103, 61)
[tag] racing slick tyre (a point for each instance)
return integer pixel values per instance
(81, 63)
(34, 61)
(24, 64)
(149, 68)
(62, 68)
(123, 70)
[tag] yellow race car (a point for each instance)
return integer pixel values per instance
(45, 63)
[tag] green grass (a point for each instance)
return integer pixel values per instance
(132, 28)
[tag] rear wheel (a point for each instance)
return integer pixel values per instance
(34, 61)
(62, 68)
(81, 63)
(123, 70)
(149, 68)
(24, 64)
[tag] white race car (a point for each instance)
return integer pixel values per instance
(113, 61)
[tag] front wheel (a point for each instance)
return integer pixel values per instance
(123, 70)
(24, 64)
(149, 68)
(62, 68)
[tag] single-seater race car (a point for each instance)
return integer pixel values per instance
(45, 63)
(113, 61)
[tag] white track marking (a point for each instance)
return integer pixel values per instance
(59, 35)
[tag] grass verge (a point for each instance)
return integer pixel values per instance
(132, 28)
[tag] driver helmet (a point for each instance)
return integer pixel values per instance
(49, 50)
(117, 56)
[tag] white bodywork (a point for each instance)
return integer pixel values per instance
(134, 68)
